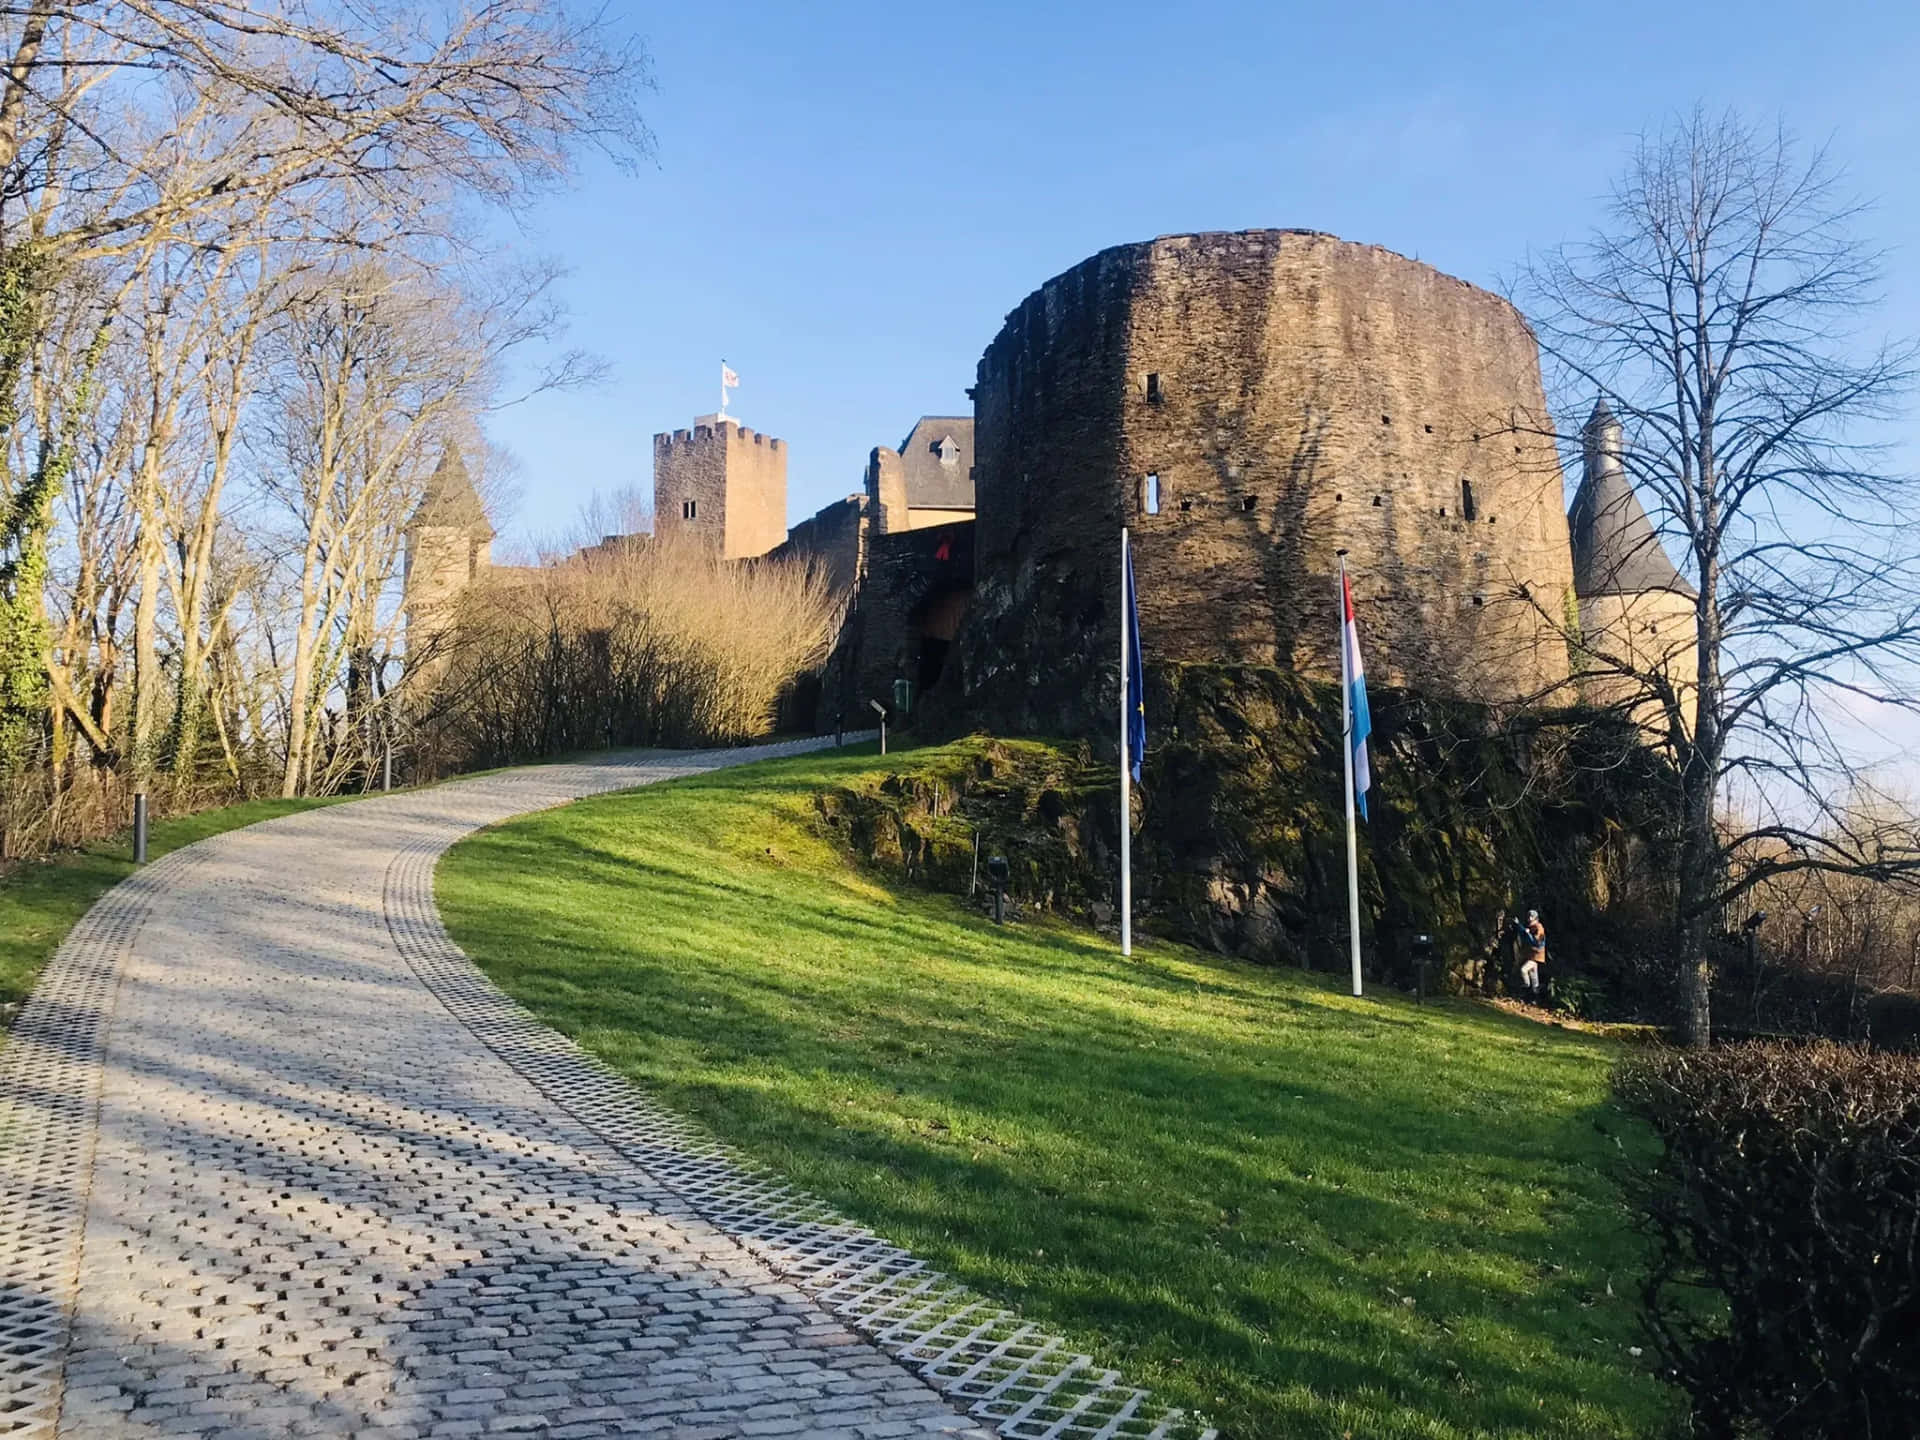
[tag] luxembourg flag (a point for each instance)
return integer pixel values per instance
(1354, 675)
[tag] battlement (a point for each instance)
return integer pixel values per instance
(723, 483)
(705, 430)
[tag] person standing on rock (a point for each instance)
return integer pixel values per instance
(1535, 936)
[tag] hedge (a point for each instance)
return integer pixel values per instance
(1784, 1290)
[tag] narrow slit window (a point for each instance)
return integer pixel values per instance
(1150, 495)
(1466, 500)
(1153, 387)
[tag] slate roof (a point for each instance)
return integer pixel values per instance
(450, 500)
(934, 484)
(1616, 550)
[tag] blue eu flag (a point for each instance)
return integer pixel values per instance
(1136, 683)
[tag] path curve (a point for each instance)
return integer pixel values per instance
(276, 1160)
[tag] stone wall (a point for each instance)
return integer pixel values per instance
(1650, 632)
(918, 583)
(835, 539)
(887, 489)
(1277, 395)
(736, 480)
(441, 562)
(1048, 410)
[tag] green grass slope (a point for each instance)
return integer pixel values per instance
(42, 899)
(1300, 1213)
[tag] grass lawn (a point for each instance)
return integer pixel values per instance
(1299, 1213)
(43, 899)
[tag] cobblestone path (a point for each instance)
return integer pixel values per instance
(276, 1160)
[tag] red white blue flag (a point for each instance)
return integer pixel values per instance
(1360, 723)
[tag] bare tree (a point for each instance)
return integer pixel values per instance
(405, 103)
(1718, 314)
(188, 157)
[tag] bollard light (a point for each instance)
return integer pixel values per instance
(998, 873)
(1422, 965)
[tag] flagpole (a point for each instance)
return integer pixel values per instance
(1346, 746)
(1126, 792)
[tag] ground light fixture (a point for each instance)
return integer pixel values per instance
(998, 873)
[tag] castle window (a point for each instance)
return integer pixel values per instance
(1479, 599)
(689, 509)
(1185, 506)
(1376, 502)
(1466, 499)
(1386, 419)
(1150, 495)
(1429, 429)
(1247, 502)
(1153, 387)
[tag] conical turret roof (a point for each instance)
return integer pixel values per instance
(1616, 550)
(450, 501)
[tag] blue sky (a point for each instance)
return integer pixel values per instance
(848, 198)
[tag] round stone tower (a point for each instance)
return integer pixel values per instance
(1250, 404)
(1636, 610)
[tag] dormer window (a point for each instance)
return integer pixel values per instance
(947, 449)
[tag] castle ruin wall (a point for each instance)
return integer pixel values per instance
(1249, 404)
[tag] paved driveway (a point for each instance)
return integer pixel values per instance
(276, 1160)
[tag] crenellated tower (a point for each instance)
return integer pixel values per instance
(723, 483)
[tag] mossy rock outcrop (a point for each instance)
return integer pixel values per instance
(1239, 827)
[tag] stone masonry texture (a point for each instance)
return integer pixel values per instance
(1282, 395)
(736, 478)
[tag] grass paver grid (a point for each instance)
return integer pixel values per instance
(255, 1178)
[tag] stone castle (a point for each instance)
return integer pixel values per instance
(1251, 404)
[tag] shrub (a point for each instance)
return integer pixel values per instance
(1784, 1292)
(1580, 996)
(652, 643)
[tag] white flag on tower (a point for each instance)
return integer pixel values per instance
(728, 381)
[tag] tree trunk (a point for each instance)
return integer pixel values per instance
(299, 694)
(1700, 864)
